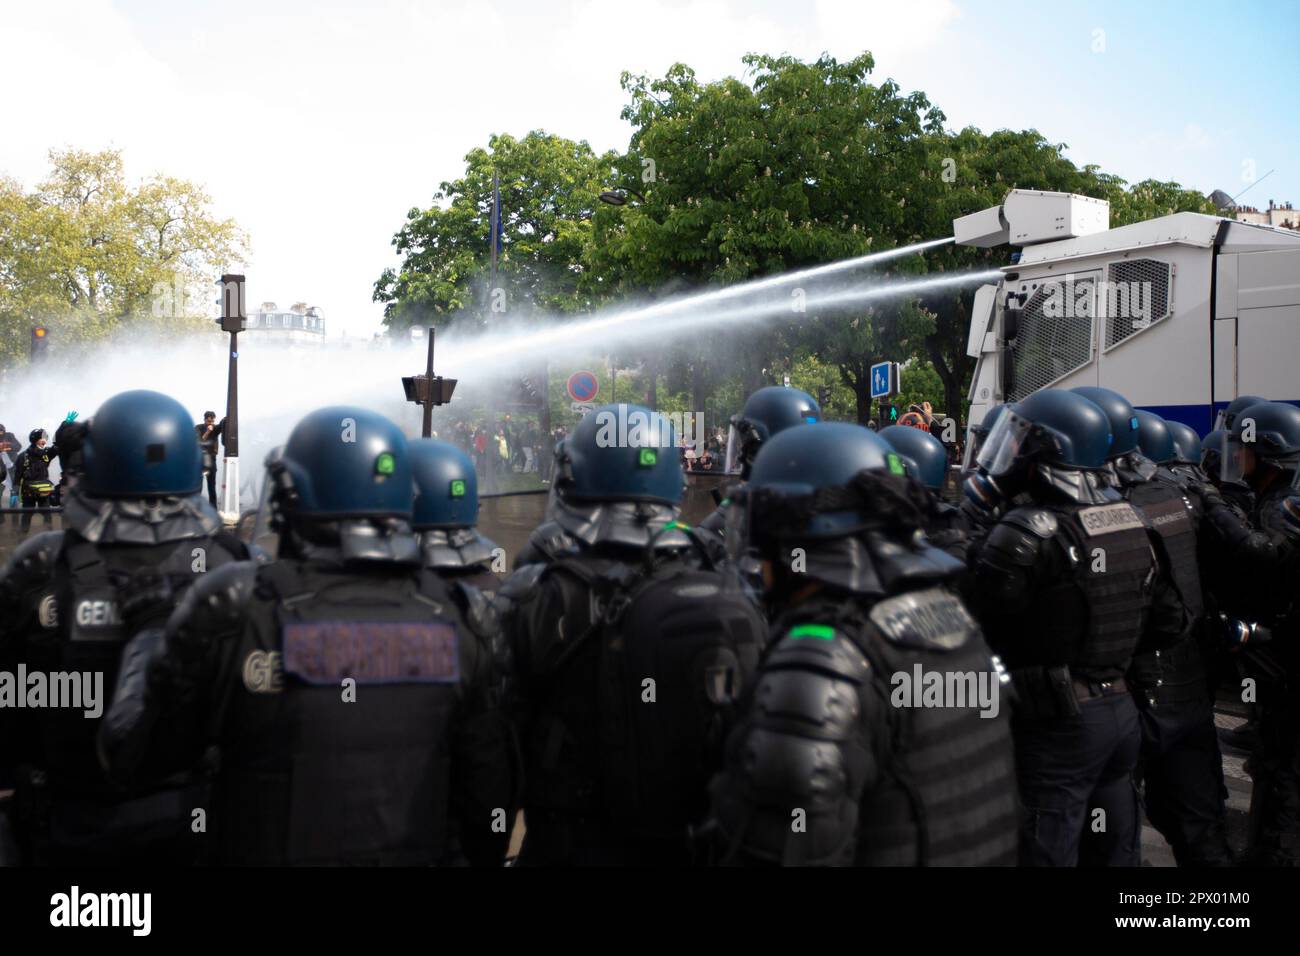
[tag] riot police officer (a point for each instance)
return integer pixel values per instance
(1264, 450)
(1186, 460)
(353, 703)
(1235, 490)
(1063, 587)
(768, 411)
(982, 502)
(1181, 767)
(926, 459)
(839, 758)
(629, 652)
(445, 512)
(136, 536)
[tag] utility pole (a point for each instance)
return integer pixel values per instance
(233, 320)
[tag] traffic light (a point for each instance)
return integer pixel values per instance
(823, 396)
(890, 414)
(40, 341)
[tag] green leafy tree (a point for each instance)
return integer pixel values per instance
(87, 252)
(549, 187)
(804, 164)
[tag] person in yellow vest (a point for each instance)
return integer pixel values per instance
(32, 475)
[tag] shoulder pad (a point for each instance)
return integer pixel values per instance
(520, 582)
(551, 540)
(820, 646)
(934, 619)
(34, 559)
(1282, 515)
(1038, 521)
(217, 601)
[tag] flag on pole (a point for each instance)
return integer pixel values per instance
(495, 232)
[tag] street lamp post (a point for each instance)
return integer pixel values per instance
(428, 390)
(234, 321)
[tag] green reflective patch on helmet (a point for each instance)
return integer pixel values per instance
(677, 523)
(385, 464)
(458, 488)
(648, 458)
(895, 464)
(822, 632)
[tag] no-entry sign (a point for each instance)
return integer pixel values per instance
(583, 386)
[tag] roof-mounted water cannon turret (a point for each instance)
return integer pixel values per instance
(1029, 216)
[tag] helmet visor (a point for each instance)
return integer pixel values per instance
(1232, 460)
(735, 449)
(1005, 445)
(972, 450)
(262, 523)
(736, 533)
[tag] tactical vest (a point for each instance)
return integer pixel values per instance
(1170, 515)
(335, 715)
(947, 793)
(1113, 571)
(634, 696)
(81, 635)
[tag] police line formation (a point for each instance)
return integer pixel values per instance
(652, 693)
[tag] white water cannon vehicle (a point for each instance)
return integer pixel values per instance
(1180, 314)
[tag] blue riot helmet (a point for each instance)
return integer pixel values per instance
(342, 462)
(1053, 426)
(1267, 432)
(821, 490)
(342, 483)
(1155, 439)
(1055, 437)
(1228, 416)
(446, 507)
(1212, 446)
(140, 444)
(446, 486)
(924, 456)
(621, 453)
(767, 411)
(1187, 444)
(618, 479)
(1124, 422)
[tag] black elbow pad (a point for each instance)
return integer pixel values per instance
(797, 764)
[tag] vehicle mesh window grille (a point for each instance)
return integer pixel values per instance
(1137, 296)
(1055, 335)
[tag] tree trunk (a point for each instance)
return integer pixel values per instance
(544, 408)
(652, 383)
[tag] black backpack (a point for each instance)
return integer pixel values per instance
(677, 645)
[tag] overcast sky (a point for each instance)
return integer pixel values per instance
(316, 125)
